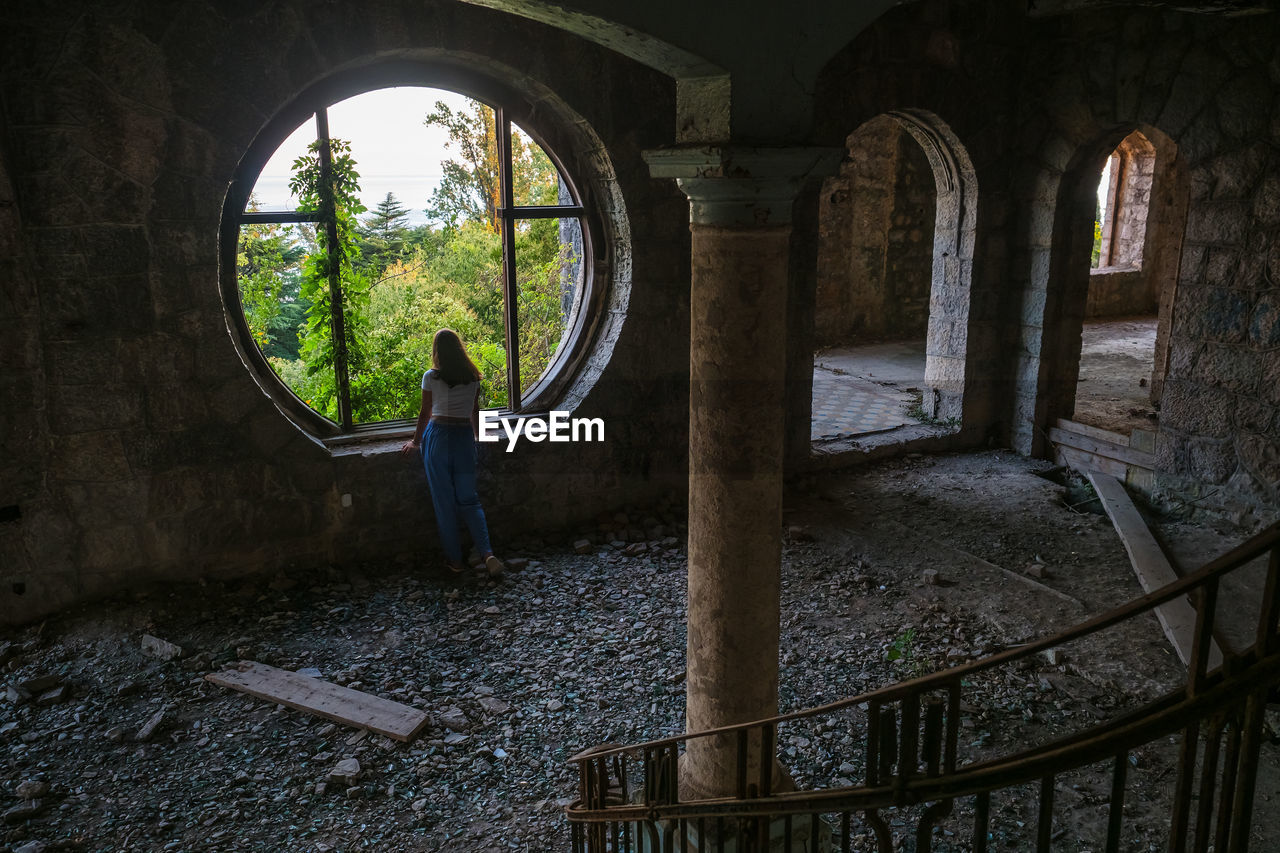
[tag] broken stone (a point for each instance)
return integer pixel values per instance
(1052, 656)
(453, 738)
(32, 789)
(492, 610)
(200, 662)
(41, 684)
(54, 696)
(454, 719)
(115, 734)
(1038, 570)
(158, 648)
(310, 672)
(554, 705)
(149, 727)
(582, 546)
(517, 564)
(494, 705)
(347, 771)
(635, 549)
(16, 695)
(32, 847)
(25, 811)
(930, 577)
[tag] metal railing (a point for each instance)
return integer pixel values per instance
(629, 796)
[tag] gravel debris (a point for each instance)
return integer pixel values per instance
(581, 643)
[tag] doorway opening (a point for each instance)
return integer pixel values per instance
(1133, 270)
(894, 260)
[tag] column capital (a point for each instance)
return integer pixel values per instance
(738, 185)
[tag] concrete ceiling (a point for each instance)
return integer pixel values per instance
(745, 70)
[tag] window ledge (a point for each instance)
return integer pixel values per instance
(1115, 270)
(388, 437)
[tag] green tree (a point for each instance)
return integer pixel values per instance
(340, 196)
(469, 189)
(383, 235)
(267, 259)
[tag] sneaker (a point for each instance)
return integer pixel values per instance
(494, 565)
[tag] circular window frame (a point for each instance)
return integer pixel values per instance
(518, 108)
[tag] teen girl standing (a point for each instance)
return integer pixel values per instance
(445, 435)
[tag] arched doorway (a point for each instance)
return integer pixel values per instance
(895, 254)
(1132, 275)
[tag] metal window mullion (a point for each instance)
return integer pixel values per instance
(549, 211)
(337, 322)
(268, 217)
(509, 289)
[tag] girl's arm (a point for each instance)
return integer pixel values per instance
(475, 417)
(424, 412)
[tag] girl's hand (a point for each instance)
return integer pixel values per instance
(408, 447)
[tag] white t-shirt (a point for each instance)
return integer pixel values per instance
(456, 402)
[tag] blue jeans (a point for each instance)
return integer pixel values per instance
(449, 456)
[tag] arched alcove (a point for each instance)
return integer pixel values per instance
(1137, 240)
(894, 268)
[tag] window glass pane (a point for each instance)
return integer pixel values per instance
(549, 280)
(534, 179)
(269, 260)
(429, 254)
(271, 191)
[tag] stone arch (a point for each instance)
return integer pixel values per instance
(949, 277)
(595, 322)
(1131, 174)
(1057, 295)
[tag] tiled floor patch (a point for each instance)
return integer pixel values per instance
(849, 405)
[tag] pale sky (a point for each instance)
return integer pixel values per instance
(394, 151)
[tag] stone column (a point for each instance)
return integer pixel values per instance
(740, 215)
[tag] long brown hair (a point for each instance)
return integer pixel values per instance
(449, 356)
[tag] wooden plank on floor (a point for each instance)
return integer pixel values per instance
(1093, 432)
(1079, 460)
(1105, 449)
(1177, 617)
(324, 699)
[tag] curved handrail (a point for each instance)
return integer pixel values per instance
(904, 767)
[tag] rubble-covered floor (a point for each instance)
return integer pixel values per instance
(574, 650)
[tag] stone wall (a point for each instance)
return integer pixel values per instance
(1039, 104)
(137, 445)
(1118, 293)
(1210, 85)
(875, 256)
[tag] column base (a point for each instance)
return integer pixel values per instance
(690, 790)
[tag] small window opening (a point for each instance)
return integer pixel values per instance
(1124, 202)
(1118, 340)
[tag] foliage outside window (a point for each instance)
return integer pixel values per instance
(343, 301)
